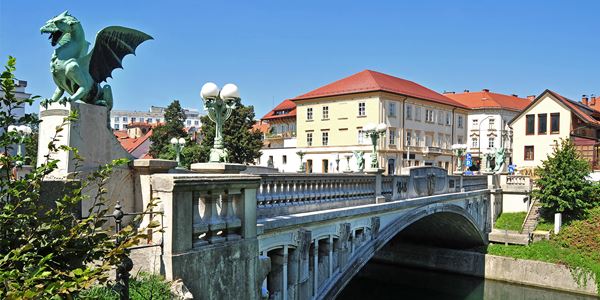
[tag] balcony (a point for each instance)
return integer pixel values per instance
(433, 150)
(279, 136)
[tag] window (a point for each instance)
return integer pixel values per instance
(475, 143)
(132, 119)
(529, 124)
(491, 123)
(417, 114)
(491, 142)
(528, 152)
(362, 109)
(196, 122)
(459, 140)
(325, 112)
(408, 138)
(429, 116)
(460, 123)
(117, 126)
(124, 119)
(362, 137)
(392, 136)
(309, 113)
(418, 139)
(284, 159)
(542, 123)
(149, 120)
(392, 109)
(475, 122)
(141, 120)
(409, 112)
(309, 138)
(325, 138)
(440, 117)
(157, 120)
(448, 118)
(554, 122)
(116, 119)
(189, 122)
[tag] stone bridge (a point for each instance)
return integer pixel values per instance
(296, 236)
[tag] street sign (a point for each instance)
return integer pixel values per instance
(511, 168)
(468, 156)
(469, 163)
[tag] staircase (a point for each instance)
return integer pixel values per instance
(531, 220)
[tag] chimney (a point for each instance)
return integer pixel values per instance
(531, 97)
(486, 90)
(584, 100)
(447, 92)
(593, 100)
(466, 91)
(515, 95)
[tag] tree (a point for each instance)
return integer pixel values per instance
(46, 250)
(242, 142)
(562, 186)
(172, 128)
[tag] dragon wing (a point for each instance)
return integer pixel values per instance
(112, 44)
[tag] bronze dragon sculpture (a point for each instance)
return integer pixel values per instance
(79, 72)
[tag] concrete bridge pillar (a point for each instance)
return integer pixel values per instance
(303, 255)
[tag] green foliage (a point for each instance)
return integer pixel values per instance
(46, 250)
(510, 221)
(172, 128)
(545, 224)
(577, 246)
(243, 143)
(562, 186)
(142, 287)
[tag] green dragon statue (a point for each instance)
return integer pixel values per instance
(80, 73)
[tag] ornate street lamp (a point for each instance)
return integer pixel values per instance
(348, 156)
(219, 104)
(301, 154)
(459, 151)
(23, 131)
(178, 144)
(374, 132)
(337, 163)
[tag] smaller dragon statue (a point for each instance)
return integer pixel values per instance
(79, 72)
(360, 160)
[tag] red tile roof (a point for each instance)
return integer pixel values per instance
(128, 143)
(261, 126)
(287, 109)
(370, 81)
(583, 112)
(487, 99)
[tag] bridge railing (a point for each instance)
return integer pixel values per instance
(471, 183)
(206, 209)
(280, 194)
(516, 183)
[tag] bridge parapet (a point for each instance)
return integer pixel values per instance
(516, 183)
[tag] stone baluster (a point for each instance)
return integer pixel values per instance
(233, 222)
(216, 225)
(199, 224)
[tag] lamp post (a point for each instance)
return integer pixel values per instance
(301, 155)
(348, 156)
(374, 132)
(23, 132)
(178, 144)
(337, 163)
(219, 104)
(459, 151)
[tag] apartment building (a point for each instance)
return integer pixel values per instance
(422, 124)
(487, 123)
(155, 115)
(549, 118)
(279, 143)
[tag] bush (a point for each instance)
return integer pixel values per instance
(50, 252)
(562, 186)
(142, 287)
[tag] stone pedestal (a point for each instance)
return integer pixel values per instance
(217, 168)
(96, 144)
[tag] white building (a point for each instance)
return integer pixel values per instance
(488, 120)
(120, 118)
(279, 143)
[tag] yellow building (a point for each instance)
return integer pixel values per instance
(549, 118)
(422, 124)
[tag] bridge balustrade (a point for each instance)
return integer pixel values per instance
(472, 183)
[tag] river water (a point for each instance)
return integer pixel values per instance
(379, 281)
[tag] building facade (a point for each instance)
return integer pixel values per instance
(421, 124)
(487, 122)
(279, 143)
(119, 119)
(547, 119)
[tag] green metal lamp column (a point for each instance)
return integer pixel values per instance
(220, 105)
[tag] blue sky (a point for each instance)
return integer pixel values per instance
(275, 50)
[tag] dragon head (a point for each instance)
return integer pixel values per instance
(60, 28)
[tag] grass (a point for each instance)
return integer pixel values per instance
(511, 221)
(143, 286)
(546, 225)
(576, 246)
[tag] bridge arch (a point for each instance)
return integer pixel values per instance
(450, 218)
